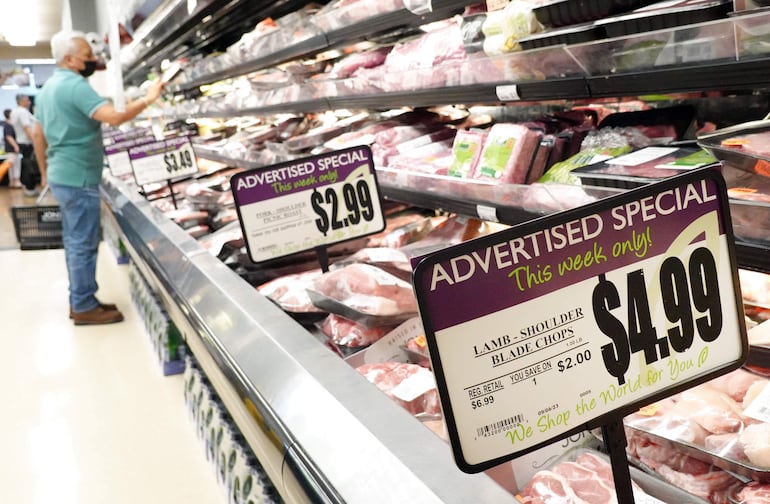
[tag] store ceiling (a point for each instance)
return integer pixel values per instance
(46, 21)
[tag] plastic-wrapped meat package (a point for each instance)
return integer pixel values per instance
(466, 152)
(366, 135)
(694, 476)
(586, 480)
(401, 230)
(348, 333)
(752, 493)
(202, 197)
(725, 419)
(347, 66)
(368, 290)
(391, 260)
(439, 47)
(413, 147)
(507, 153)
(541, 160)
(290, 291)
(432, 158)
(341, 13)
(411, 386)
(755, 287)
(502, 29)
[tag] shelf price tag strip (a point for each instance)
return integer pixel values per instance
(308, 203)
(572, 321)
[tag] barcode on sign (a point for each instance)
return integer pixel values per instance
(499, 426)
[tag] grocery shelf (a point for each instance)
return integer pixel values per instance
(308, 404)
(355, 32)
(213, 25)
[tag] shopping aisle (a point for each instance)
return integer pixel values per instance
(87, 416)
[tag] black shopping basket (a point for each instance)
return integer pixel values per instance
(38, 227)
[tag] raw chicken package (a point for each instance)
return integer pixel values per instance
(411, 386)
(507, 153)
(365, 294)
(724, 421)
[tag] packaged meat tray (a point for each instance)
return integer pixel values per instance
(751, 493)
(723, 422)
(569, 12)
(586, 32)
(365, 294)
(666, 461)
(660, 48)
(583, 475)
(752, 33)
(637, 169)
(666, 15)
(745, 146)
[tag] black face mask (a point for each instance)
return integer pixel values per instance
(89, 70)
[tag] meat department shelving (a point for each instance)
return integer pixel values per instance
(307, 415)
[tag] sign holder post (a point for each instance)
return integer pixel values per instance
(615, 442)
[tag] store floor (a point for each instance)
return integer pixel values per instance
(87, 416)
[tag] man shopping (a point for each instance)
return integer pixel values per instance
(23, 123)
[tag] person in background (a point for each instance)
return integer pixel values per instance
(12, 151)
(70, 153)
(23, 123)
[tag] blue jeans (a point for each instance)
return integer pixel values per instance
(81, 233)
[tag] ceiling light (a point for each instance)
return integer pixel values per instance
(20, 40)
(35, 61)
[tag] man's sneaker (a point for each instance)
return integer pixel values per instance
(98, 315)
(105, 306)
(31, 192)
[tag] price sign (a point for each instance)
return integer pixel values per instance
(117, 155)
(564, 323)
(307, 203)
(163, 160)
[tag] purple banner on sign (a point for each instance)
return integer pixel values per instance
(115, 148)
(155, 148)
(468, 282)
(299, 175)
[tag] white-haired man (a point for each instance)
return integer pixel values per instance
(69, 151)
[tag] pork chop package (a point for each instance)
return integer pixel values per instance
(724, 421)
(585, 476)
(365, 294)
(507, 153)
(751, 493)
(411, 386)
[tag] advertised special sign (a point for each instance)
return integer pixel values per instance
(566, 322)
(163, 160)
(117, 155)
(307, 203)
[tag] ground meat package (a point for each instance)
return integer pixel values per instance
(507, 153)
(413, 387)
(724, 421)
(365, 294)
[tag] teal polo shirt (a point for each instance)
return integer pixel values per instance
(64, 107)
